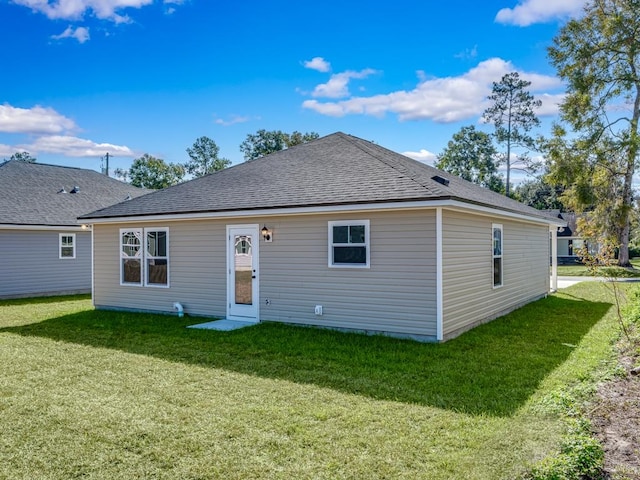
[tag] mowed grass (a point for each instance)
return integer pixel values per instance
(582, 271)
(95, 394)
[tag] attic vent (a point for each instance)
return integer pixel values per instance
(62, 190)
(75, 189)
(441, 180)
(128, 198)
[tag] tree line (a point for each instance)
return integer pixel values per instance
(204, 157)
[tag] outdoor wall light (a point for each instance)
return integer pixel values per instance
(266, 234)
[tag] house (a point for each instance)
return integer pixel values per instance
(569, 242)
(43, 249)
(338, 232)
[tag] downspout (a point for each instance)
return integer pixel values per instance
(439, 296)
(178, 307)
(554, 258)
(93, 274)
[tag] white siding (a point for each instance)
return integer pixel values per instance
(468, 294)
(30, 264)
(396, 294)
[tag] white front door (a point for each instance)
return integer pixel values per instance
(242, 267)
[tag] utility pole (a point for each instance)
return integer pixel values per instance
(106, 169)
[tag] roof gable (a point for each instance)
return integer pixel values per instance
(41, 194)
(335, 170)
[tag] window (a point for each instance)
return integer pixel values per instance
(157, 257)
(131, 257)
(349, 243)
(144, 256)
(497, 255)
(67, 245)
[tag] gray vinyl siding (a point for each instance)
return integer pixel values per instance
(396, 294)
(30, 264)
(468, 294)
(197, 266)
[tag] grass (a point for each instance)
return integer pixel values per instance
(583, 271)
(97, 394)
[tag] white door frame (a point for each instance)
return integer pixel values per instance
(235, 311)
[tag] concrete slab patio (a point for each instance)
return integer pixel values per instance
(223, 325)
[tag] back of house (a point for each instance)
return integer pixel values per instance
(338, 233)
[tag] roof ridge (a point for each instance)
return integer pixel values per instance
(406, 174)
(39, 164)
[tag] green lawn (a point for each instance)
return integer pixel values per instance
(582, 271)
(94, 394)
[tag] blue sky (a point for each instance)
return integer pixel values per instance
(85, 77)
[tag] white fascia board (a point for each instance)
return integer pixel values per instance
(369, 207)
(61, 228)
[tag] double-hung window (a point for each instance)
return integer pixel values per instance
(349, 244)
(67, 245)
(144, 256)
(497, 254)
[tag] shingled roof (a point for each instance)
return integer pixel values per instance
(335, 170)
(40, 194)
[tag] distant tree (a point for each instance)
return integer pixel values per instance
(470, 154)
(296, 138)
(204, 155)
(121, 174)
(512, 114)
(23, 157)
(539, 194)
(151, 172)
(264, 142)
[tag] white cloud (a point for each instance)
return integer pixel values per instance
(35, 120)
(81, 34)
(468, 54)
(448, 99)
(171, 10)
(233, 119)
(76, 9)
(528, 12)
(550, 103)
(318, 63)
(338, 84)
(424, 156)
(6, 151)
(76, 147)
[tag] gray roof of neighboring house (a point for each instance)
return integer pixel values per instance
(570, 229)
(338, 169)
(30, 193)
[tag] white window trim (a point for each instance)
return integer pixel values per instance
(143, 257)
(140, 257)
(73, 245)
(501, 256)
(146, 257)
(367, 243)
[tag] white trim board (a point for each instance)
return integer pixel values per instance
(453, 204)
(61, 228)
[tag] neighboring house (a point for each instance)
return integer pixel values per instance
(338, 232)
(43, 249)
(569, 243)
